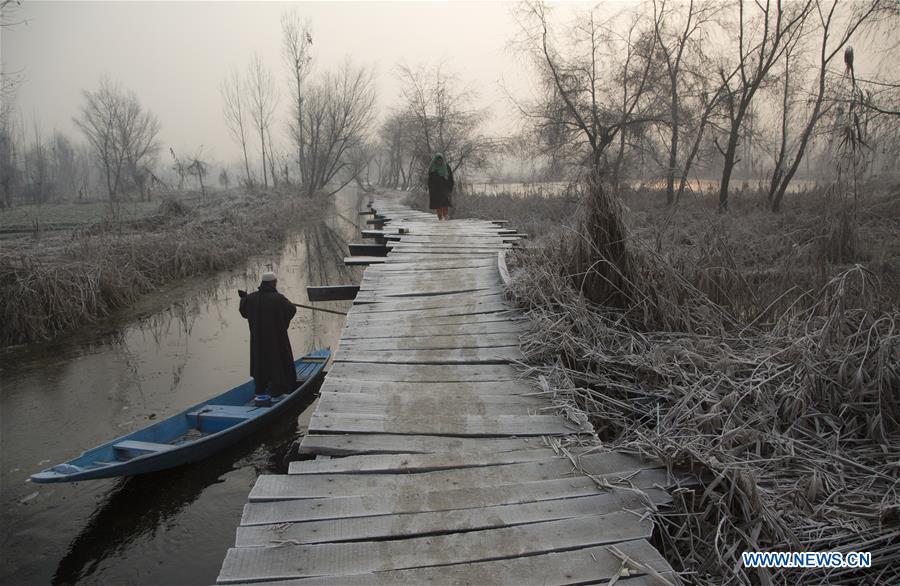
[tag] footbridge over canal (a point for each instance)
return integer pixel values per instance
(436, 461)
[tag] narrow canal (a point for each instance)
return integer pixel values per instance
(190, 343)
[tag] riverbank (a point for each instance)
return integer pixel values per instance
(759, 348)
(53, 280)
(172, 348)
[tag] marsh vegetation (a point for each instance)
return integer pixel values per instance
(713, 204)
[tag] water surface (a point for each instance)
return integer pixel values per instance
(172, 350)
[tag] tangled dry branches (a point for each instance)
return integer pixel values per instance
(797, 420)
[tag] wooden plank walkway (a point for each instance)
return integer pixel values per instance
(433, 463)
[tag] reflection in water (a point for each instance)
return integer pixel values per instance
(167, 352)
(135, 508)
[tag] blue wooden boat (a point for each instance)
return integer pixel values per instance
(186, 437)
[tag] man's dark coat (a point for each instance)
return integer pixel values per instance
(269, 313)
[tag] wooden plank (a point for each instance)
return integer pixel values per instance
(411, 405)
(294, 561)
(301, 510)
(380, 235)
(452, 243)
(436, 259)
(409, 321)
(360, 249)
(373, 281)
(423, 277)
(436, 289)
(392, 304)
(434, 264)
(355, 261)
(337, 383)
(376, 287)
(284, 487)
(432, 342)
(493, 355)
(431, 403)
(455, 267)
(415, 373)
(447, 499)
(405, 525)
(590, 565)
(371, 332)
(452, 278)
(456, 425)
(442, 277)
(486, 240)
(359, 443)
(447, 249)
(431, 306)
(332, 292)
(409, 463)
(439, 297)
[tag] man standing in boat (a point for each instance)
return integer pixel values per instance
(271, 358)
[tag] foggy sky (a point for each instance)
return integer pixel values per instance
(175, 54)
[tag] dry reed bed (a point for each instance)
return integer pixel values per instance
(96, 271)
(796, 418)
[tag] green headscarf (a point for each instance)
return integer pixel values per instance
(441, 167)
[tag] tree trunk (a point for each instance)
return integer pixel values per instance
(730, 154)
(262, 146)
(673, 159)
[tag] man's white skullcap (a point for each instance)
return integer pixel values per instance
(270, 276)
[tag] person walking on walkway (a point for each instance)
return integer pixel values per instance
(269, 314)
(440, 186)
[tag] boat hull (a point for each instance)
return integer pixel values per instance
(218, 422)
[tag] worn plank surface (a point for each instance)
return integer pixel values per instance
(460, 389)
(297, 510)
(437, 424)
(395, 463)
(361, 443)
(431, 458)
(463, 404)
(301, 486)
(591, 565)
(438, 522)
(295, 561)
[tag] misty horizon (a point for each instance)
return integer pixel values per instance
(175, 55)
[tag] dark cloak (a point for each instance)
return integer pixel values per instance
(270, 313)
(439, 189)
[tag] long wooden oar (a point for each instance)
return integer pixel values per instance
(320, 309)
(242, 294)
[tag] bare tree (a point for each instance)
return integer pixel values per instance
(439, 116)
(676, 44)
(263, 101)
(122, 133)
(337, 116)
(9, 171)
(778, 26)
(236, 117)
(583, 106)
(393, 152)
(861, 13)
(179, 167)
(274, 156)
(198, 168)
(9, 13)
(297, 42)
